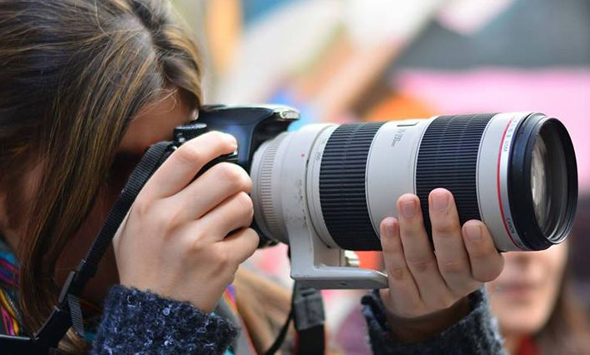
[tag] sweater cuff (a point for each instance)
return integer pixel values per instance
(137, 322)
(476, 333)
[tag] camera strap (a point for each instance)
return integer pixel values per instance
(69, 298)
(307, 310)
(308, 314)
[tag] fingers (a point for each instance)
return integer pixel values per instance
(425, 277)
(234, 213)
(486, 262)
(419, 255)
(402, 287)
(242, 244)
(451, 256)
(184, 164)
(216, 185)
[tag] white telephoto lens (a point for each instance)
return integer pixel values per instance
(514, 171)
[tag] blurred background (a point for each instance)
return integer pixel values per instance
(354, 60)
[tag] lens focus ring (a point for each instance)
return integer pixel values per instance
(448, 158)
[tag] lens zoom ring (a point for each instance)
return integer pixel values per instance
(448, 158)
(342, 186)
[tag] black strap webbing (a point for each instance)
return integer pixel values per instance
(152, 159)
(308, 314)
(68, 312)
(307, 310)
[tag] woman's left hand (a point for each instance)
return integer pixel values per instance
(428, 287)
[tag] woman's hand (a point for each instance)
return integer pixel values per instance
(184, 238)
(428, 288)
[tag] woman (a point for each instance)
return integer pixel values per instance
(85, 87)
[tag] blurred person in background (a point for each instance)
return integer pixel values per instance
(535, 301)
(535, 305)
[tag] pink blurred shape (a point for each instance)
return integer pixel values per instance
(563, 93)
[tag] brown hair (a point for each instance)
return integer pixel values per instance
(568, 331)
(73, 74)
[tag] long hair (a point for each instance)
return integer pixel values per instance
(73, 74)
(567, 331)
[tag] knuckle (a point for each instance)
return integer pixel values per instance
(226, 173)
(453, 267)
(445, 228)
(220, 136)
(397, 273)
(486, 275)
(225, 141)
(255, 238)
(234, 175)
(189, 154)
(487, 269)
(245, 202)
(481, 255)
(422, 265)
(393, 250)
(198, 247)
(141, 207)
(223, 259)
(174, 217)
(413, 227)
(252, 238)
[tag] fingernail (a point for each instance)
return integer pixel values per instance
(408, 208)
(473, 232)
(440, 201)
(389, 230)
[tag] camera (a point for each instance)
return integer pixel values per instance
(325, 188)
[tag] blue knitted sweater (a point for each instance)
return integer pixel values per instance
(136, 322)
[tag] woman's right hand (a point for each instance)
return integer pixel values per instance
(184, 238)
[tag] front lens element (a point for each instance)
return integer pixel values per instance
(543, 182)
(540, 180)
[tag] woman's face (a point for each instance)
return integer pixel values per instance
(524, 294)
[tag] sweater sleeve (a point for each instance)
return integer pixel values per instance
(476, 333)
(136, 322)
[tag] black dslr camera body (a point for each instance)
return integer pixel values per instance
(250, 125)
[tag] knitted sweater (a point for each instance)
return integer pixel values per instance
(138, 322)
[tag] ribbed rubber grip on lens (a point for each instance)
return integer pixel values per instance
(448, 158)
(270, 216)
(342, 186)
